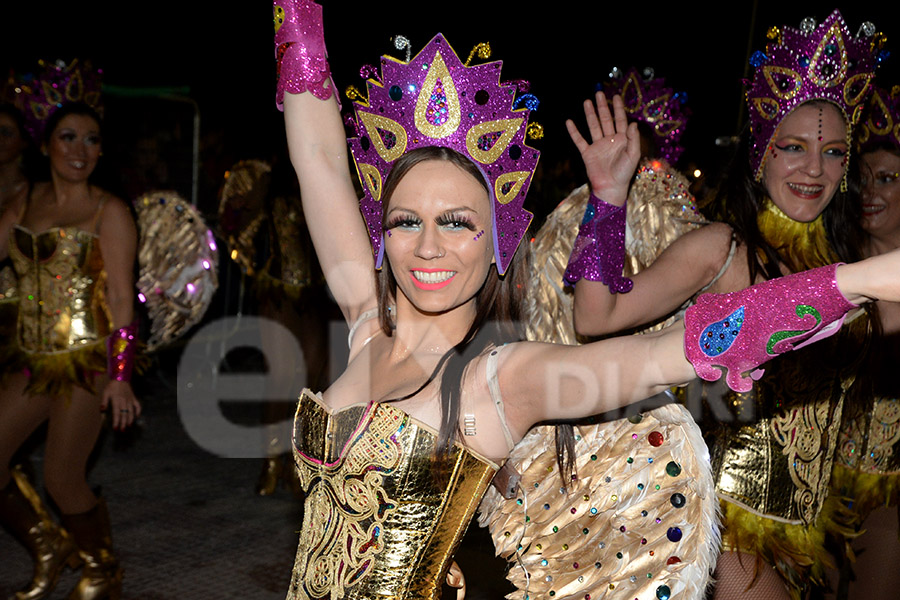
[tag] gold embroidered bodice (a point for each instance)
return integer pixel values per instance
(376, 523)
(775, 459)
(60, 284)
(870, 435)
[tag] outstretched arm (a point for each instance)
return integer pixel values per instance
(683, 269)
(319, 154)
(553, 381)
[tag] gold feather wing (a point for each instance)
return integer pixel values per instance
(639, 520)
(178, 260)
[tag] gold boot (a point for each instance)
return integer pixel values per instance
(101, 578)
(50, 548)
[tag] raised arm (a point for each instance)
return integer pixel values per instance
(319, 154)
(605, 301)
(683, 269)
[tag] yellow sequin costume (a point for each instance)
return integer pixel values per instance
(376, 523)
(63, 317)
(772, 464)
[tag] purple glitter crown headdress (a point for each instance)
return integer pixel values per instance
(809, 63)
(648, 99)
(881, 121)
(436, 100)
(56, 85)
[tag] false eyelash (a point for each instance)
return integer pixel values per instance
(402, 219)
(450, 218)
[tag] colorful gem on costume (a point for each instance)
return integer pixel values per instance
(718, 337)
(880, 123)
(56, 85)
(674, 534)
(648, 99)
(454, 106)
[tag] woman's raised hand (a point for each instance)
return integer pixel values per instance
(614, 151)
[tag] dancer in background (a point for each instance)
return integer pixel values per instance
(73, 248)
(865, 483)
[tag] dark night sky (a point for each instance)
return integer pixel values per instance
(223, 51)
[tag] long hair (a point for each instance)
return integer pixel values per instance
(497, 305)
(739, 201)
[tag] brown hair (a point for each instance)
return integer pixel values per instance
(497, 304)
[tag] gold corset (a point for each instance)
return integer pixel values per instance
(870, 435)
(869, 442)
(61, 289)
(777, 460)
(376, 524)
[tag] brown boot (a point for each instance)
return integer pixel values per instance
(50, 548)
(101, 578)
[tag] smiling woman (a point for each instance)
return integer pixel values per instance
(397, 453)
(438, 226)
(73, 246)
(809, 158)
(787, 207)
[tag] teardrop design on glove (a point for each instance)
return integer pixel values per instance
(718, 337)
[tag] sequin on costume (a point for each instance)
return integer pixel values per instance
(376, 522)
(63, 318)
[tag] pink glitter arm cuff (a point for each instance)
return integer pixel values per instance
(302, 61)
(121, 346)
(599, 250)
(739, 331)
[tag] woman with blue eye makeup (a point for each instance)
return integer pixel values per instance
(73, 246)
(788, 203)
(397, 453)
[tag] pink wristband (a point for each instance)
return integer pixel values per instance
(739, 331)
(302, 61)
(121, 346)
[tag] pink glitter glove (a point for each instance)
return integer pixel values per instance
(741, 330)
(121, 346)
(300, 51)
(599, 250)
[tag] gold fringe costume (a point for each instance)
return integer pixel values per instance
(63, 319)
(772, 464)
(376, 522)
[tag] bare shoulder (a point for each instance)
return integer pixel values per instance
(115, 211)
(713, 237)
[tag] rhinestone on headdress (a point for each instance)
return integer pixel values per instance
(813, 62)
(881, 120)
(648, 99)
(437, 100)
(54, 86)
